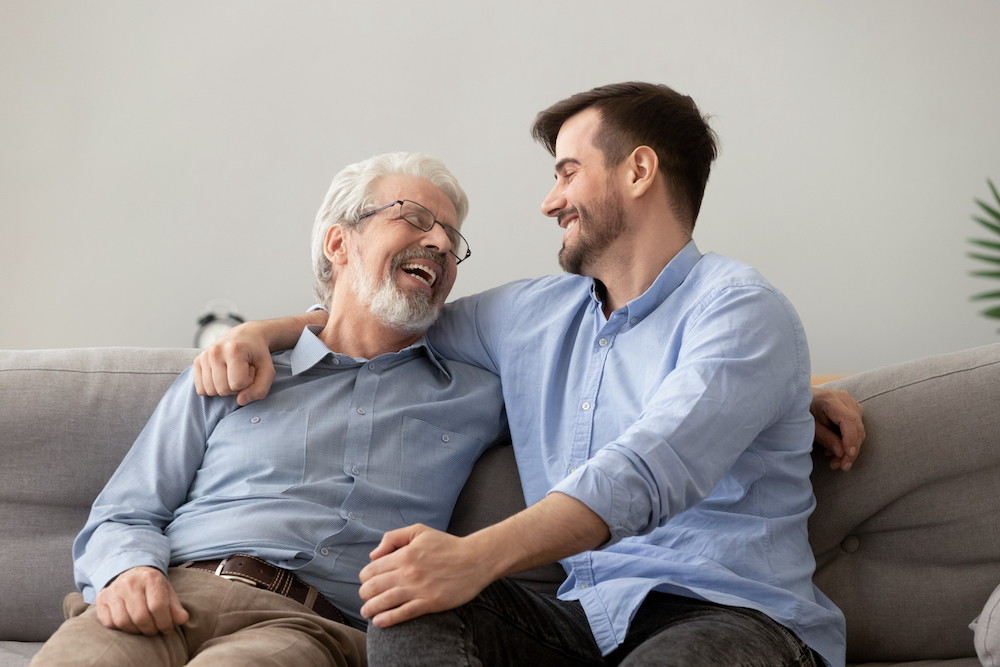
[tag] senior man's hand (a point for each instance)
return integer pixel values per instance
(839, 428)
(140, 601)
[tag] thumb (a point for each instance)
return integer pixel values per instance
(263, 376)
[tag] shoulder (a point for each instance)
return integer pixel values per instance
(715, 276)
(521, 293)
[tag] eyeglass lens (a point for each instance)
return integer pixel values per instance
(422, 219)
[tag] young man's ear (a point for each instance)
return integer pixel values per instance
(336, 244)
(641, 169)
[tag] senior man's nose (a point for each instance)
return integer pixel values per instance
(437, 238)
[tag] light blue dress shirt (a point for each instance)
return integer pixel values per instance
(309, 478)
(682, 420)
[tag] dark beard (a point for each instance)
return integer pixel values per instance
(598, 229)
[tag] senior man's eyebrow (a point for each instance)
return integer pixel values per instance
(561, 164)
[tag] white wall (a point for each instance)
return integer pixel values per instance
(155, 155)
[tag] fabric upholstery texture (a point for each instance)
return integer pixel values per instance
(906, 542)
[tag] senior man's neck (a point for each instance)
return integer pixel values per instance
(363, 335)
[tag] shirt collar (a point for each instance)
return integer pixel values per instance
(310, 350)
(670, 278)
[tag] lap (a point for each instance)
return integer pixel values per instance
(509, 624)
(670, 630)
(226, 617)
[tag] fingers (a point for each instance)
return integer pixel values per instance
(259, 384)
(404, 612)
(394, 540)
(199, 383)
(140, 601)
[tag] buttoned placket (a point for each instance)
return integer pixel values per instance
(583, 444)
(360, 420)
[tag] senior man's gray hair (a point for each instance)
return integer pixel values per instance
(353, 192)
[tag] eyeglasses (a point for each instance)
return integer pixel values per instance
(422, 219)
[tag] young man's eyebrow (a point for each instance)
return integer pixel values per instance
(563, 162)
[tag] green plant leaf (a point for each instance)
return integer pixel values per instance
(993, 312)
(985, 258)
(996, 195)
(986, 295)
(986, 244)
(989, 209)
(985, 274)
(987, 224)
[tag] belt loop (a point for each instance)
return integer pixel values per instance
(311, 596)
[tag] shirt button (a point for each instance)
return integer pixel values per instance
(361, 411)
(572, 469)
(336, 361)
(254, 420)
(371, 367)
(350, 515)
(325, 551)
(584, 586)
(634, 320)
(586, 406)
(445, 438)
(603, 342)
(355, 470)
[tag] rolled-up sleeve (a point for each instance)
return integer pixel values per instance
(737, 371)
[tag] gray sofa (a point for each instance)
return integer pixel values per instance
(907, 543)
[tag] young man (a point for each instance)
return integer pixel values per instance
(659, 409)
(235, 535)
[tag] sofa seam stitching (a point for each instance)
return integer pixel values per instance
(928, 379)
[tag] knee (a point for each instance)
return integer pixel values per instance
(419, 641)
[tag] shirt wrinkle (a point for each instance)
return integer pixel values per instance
(308, 478)
(721, 365)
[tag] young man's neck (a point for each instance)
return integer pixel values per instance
(629, 268)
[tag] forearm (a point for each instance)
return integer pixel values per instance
(556, 527)
(282, 333)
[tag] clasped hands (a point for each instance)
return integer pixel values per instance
(419, 570)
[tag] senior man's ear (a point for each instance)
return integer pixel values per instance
(336, 245)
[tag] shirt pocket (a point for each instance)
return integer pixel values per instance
(435, 465)
(255, 452)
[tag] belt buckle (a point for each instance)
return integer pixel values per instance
(232, 577)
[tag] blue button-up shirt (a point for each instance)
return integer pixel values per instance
(341, 451)
(682, 420)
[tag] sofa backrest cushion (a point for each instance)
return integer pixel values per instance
(67, 417)
(908, 542)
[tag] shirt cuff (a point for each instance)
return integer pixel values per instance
(316, 307)
(118, 563)
(607, 497)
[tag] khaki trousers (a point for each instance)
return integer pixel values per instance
(231, 624)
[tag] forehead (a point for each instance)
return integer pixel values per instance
(576, 136)
(421, 191)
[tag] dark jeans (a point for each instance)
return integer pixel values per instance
(508, 624)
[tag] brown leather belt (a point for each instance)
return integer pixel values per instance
(261, 574)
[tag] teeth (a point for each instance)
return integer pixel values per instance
(422, 273)
(571, 225)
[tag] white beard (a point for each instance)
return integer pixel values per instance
(407, 313)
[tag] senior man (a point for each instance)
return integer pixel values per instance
(234, 535)
(659, 410)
